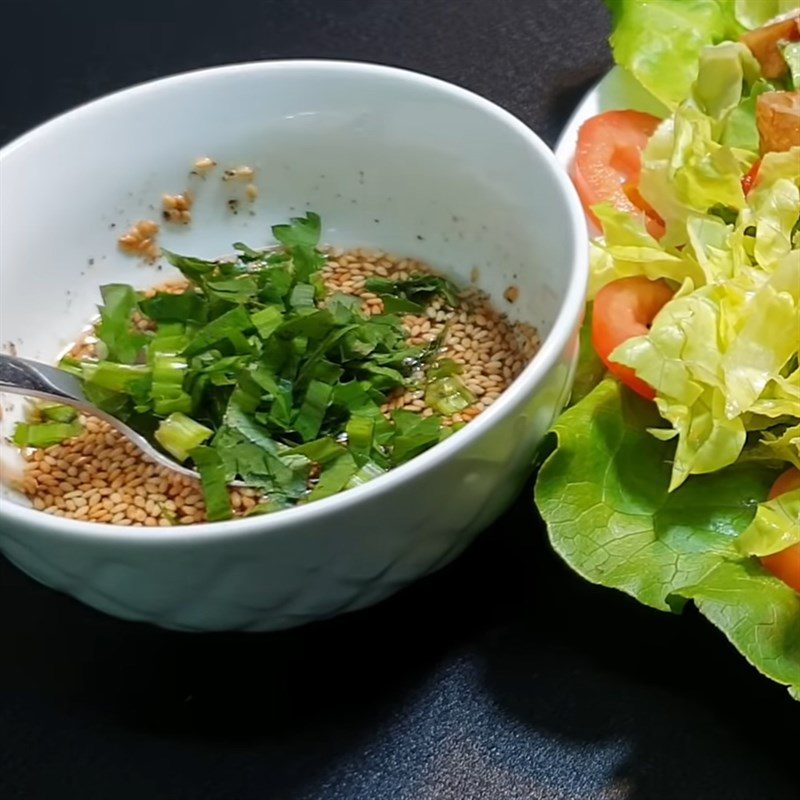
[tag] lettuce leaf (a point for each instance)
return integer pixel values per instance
(759, 615)
(724, 70)
(685, 171)
(603, 493)
(717, 354)
(711, 354)
(775, 526)
(659, 41)
(590, 370)
(627, 249)
(791, 52)
(755, 13)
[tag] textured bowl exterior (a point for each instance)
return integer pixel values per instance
(450, 177)
(301, 572)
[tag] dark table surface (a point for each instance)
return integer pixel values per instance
(502, 677)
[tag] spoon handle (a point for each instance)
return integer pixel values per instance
(33, 379)
(22, 376)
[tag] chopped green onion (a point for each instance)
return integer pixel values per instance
(178, 434)
(312, 412)
(400, 305)
(414, 435)
(45, 434)
(267, 320)
(418, 289)
(227, 326)
(335, 477)
(167, 390)
(367, 472)
(213, 480)
(169, 307)
(443, 368)
(360, 431)
(302, 296)
(122, 378)
(448, 395)
(320, 451)
(115, 330)
(55, 412)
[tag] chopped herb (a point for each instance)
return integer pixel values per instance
(178, 434)
(115, 330)
(214, 483)
(254, 373)
(335, 477)
(418, 290)
(54, 412)
(45, 434)
(448, 395)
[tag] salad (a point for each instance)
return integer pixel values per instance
(675, 474)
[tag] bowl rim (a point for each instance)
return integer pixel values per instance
(554, 344)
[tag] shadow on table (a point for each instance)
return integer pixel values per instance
(679, 713)
(503, 676)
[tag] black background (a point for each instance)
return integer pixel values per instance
(503, 676)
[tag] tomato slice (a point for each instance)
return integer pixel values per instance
(785, 482)
(623, 309)
(749, 180)
(785, 564)
(608, 162)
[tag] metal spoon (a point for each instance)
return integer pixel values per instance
(33, 379)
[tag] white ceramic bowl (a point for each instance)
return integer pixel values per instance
(390, 159)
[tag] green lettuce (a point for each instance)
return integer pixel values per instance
(627, 249)
(791, 52)
(775, 526)
(718, 353)
(666, 500)
(604, 495)
(686, 172)
(659, 41)
(755, 13)
(724, 71)
(590, 369)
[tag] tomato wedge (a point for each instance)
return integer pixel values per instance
(623, 309)
(785, 564)
(749, 180)
(608, 162)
